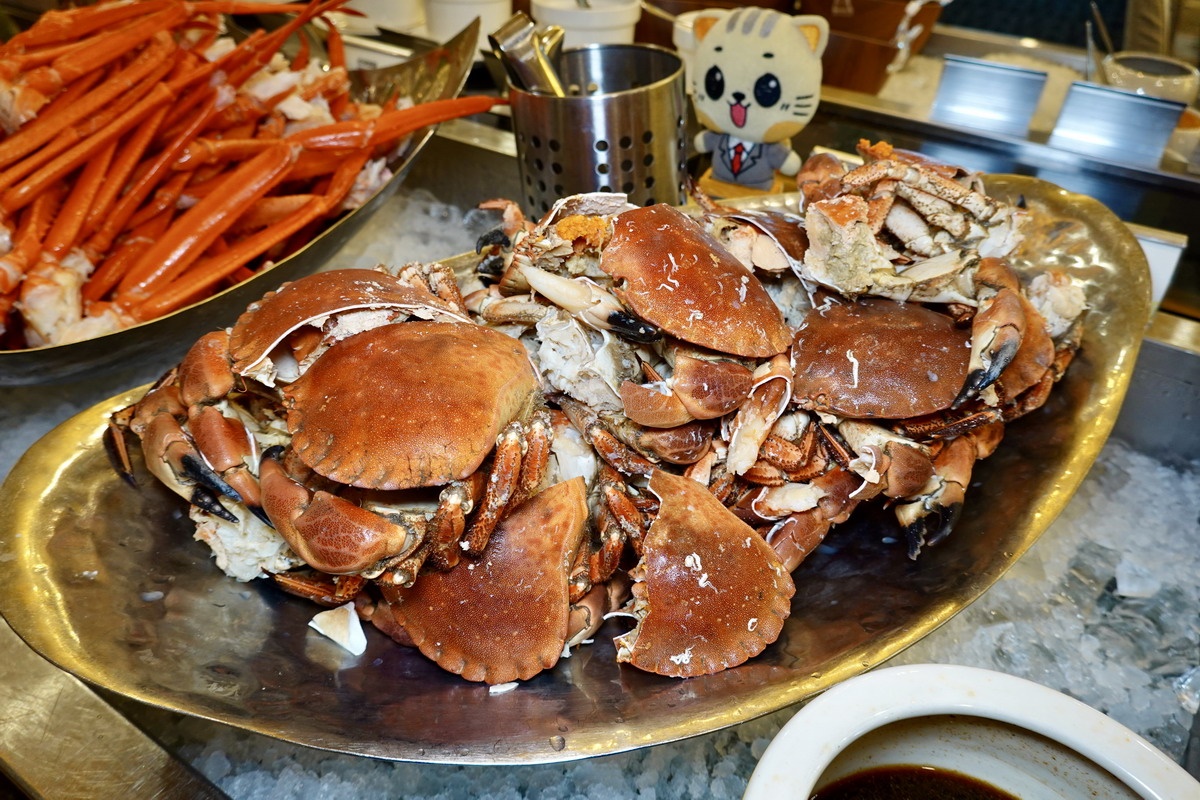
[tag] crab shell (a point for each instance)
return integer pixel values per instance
(676, 275)
(709, 592)
(505, 617)
(312, 299)
(785, 230)
(710, 389)
(412, 404)
(877, 358)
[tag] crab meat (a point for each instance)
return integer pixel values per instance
(708, 593)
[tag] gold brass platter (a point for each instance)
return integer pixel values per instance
(105, 580)
(437, 74)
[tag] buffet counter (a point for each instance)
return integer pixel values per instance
(1103, 607)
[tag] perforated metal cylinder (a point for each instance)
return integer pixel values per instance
(621, 128)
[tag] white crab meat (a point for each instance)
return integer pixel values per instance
(585, 364)
(246, 549)
(1058, 299)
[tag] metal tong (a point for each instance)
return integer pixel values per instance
(528, 55)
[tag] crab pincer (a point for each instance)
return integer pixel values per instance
(709, 593)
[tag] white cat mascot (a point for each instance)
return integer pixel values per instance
(757, 82)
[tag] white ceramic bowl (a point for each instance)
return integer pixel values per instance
(1153, 74)
(1016, 735)
(601, 22)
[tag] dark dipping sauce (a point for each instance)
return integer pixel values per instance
(1152, 66)
(910, 783)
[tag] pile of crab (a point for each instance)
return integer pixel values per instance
(625, 412)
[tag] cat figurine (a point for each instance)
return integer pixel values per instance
(756, 78)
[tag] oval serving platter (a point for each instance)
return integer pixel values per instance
(104, 579)
(437, 74)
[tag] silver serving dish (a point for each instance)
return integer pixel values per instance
(434, 75)
(105, 580)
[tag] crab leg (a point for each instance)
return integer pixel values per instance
(144, 183)
(211, 271)
(63, 25)
(798, 534)
(85, 133)
(117, 262)
(273, 210)
(27, 244)
(165, 197)
(348, 135)
(362, 133)
(449, 522)
(67, 109)
(21, 194)
(611, 449)
(69, 220)
(501, 485)
(124, 164)
(200, 225)
(98, 51)
(335, 48)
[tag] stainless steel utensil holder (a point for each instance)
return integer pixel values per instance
(621, 128)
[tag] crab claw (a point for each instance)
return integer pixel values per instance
(930, 516)
(505, 617)
(709, 593)
(597, 307)
(997, 330)
(330, 534)
(171, 455)
(1000, 352)
(492, 238)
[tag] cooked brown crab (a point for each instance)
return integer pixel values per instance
(609, 264)
(507, 616)
(885, 378)
(345, 383)
(708, 592)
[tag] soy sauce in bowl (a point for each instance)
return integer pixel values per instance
(910, 782)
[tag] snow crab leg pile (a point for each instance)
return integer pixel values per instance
(627, 412)
(149, 160)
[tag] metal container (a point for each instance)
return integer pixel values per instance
(621, 128)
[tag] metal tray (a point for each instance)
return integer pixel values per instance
(105, 580)
(437, 74)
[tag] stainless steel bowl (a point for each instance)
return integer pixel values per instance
(438, 74)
